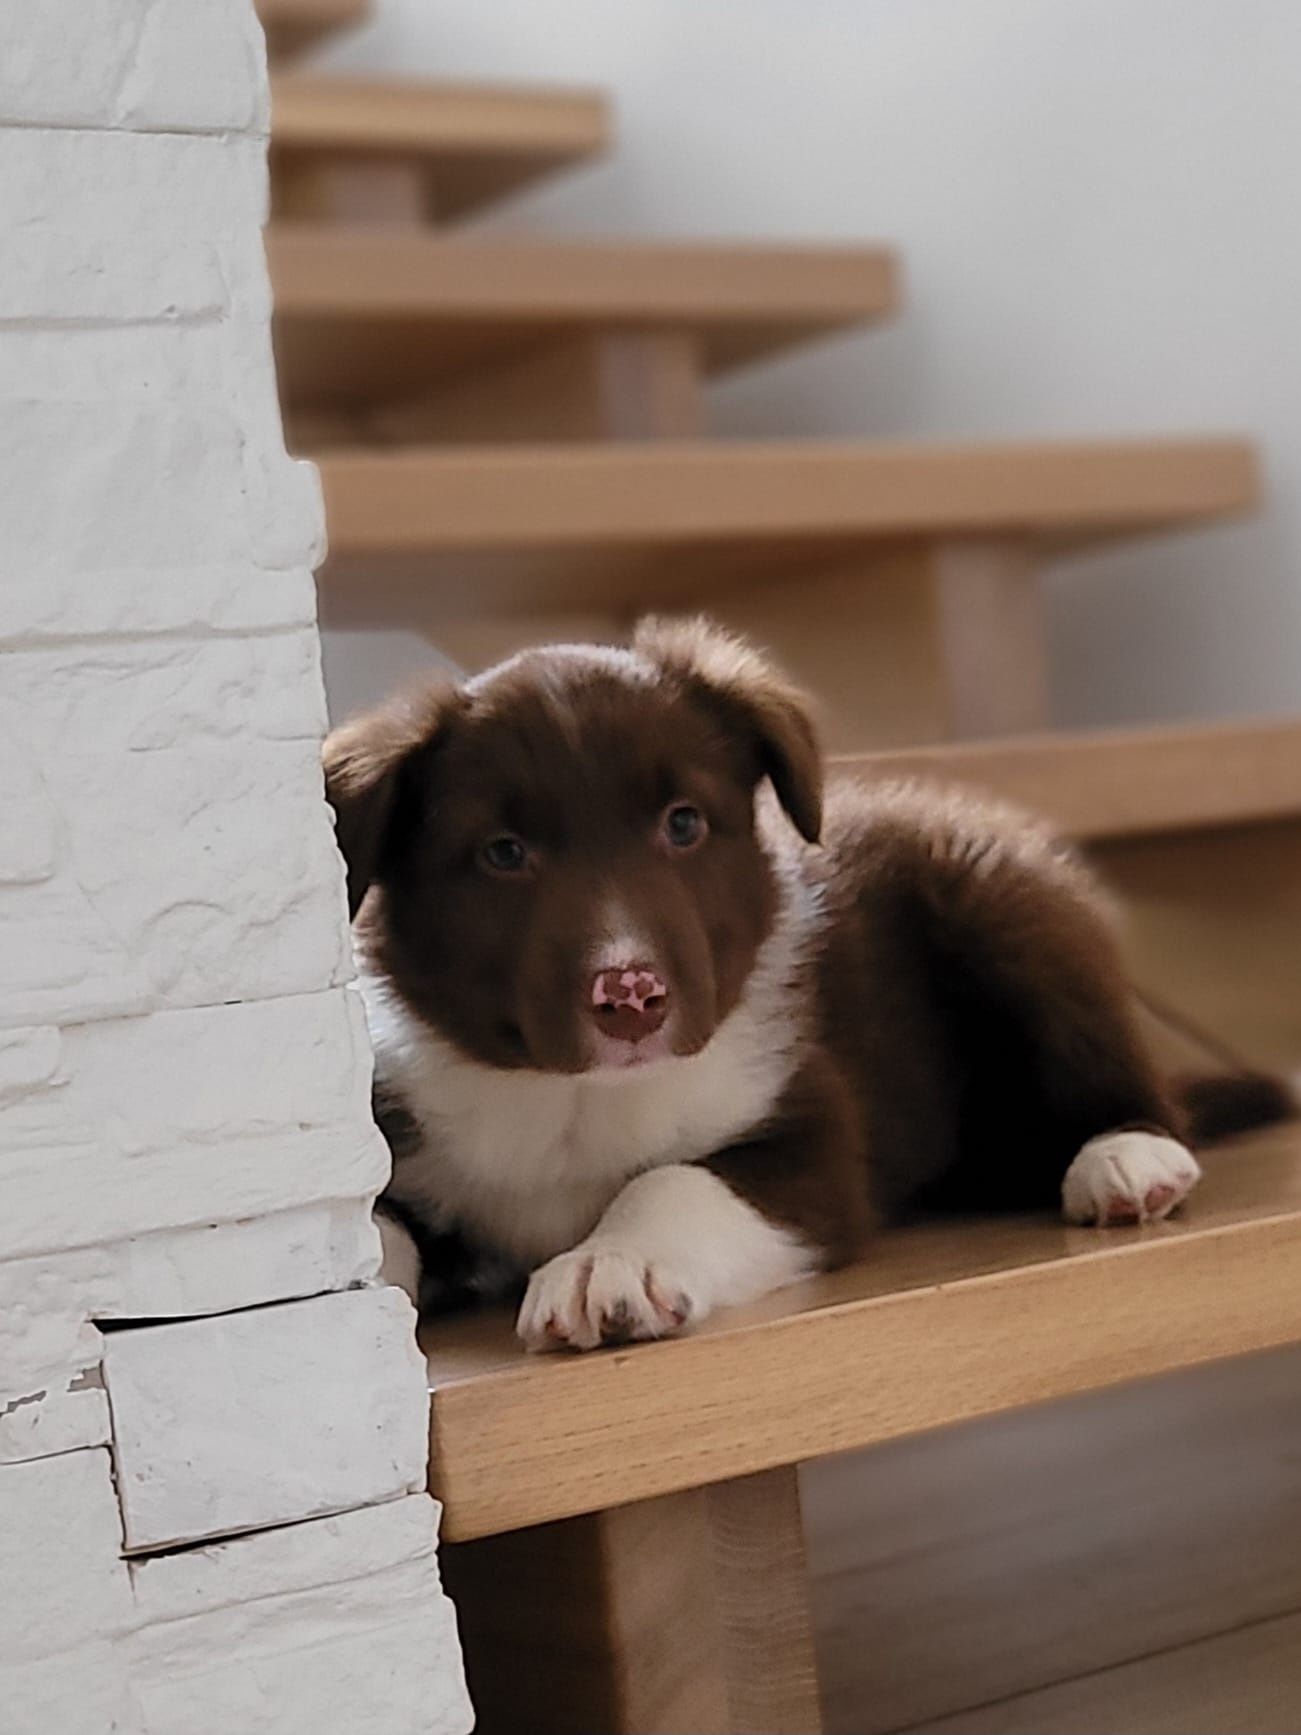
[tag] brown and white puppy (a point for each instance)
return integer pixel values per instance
(657, 1030)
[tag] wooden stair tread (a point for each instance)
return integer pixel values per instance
(944, 1322)
(1118, 783)
(292, 25)
(480, 140)
(364, 313)
(556, 526)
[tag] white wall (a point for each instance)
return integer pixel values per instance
(193, 1347)
(1099, 202)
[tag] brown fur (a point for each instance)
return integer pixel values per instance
(967, 1026)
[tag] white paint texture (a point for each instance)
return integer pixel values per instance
(232, 1423)
(185, 1133)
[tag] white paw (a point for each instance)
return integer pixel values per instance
(597, 1295)
(1128, 1178)
(399, 1256)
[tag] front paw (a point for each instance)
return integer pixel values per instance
(596, 1295)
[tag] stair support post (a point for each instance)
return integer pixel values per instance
(686, 1613)
(928, 642)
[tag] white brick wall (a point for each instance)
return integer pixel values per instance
(187, 1158)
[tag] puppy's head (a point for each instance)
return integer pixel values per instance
(563, 851)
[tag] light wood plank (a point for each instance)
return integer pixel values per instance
(293, 25)
(924, 1323)
(1124, 782)
(364, 315)
(1034, 1547)
(471, 143)
(647, 525)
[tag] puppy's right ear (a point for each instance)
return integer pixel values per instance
(367, 763)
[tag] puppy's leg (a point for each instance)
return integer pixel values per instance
(1064, 1101)
(399, 1255)
(674, 1245)
(684, 1239)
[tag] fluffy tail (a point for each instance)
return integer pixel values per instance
(1233, 1098)
(1218, 1105)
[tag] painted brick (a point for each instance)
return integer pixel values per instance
(146, 363)
(346, 1547)
(316, 1616)
(151, 487)
(64, 1414)
(193, 65)
(248, 1109)
(60, 1541)
(162, 488)
(138, 602)
(380, 1667)
(126, 226)
(83, 1692)
(51, 1393)
(259, 1418)
(79, 701)
(243, 902)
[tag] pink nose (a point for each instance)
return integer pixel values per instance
(629, 1002)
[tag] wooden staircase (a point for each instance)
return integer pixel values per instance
(293, 25)
(349, 147)
(513, 441)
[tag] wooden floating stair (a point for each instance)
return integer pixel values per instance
(293, 25)
(1118, 783)
(899, 581)
(363, 316)
(520, 1439)
(761, 499)
(459, 146)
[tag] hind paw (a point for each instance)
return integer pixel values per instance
(1128, 1177)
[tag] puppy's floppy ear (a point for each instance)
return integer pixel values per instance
(367, 762)
(744, 690)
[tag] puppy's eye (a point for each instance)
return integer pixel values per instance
(505, 855)
(684, 826)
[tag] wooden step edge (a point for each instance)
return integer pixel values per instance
(1117, 783)
(293, 25)
(358, 272)
(922, 1328)
(360, 116)
(422, 500)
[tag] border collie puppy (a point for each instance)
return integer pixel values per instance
(661, 1024)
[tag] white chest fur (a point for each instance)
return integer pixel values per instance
(530, 1160)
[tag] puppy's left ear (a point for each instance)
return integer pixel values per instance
(368, 765)
(749, 694)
